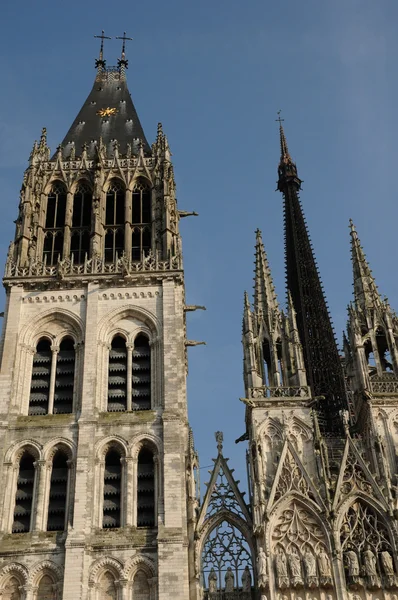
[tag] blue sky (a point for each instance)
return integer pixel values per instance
(215, 73)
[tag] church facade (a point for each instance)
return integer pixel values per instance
(99, 496)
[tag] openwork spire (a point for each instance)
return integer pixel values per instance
(321, 357)
(265, 301)
(365, 290)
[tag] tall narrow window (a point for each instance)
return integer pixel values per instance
(46, 589)
(114, 221)
(112, 490)
(81, 223)
(54, 225)
(24, 494)
(117, 375)
(141, 375)
(141, 221)
(107, 587)
(11, 590)
(65, 377)
(58, 491)
(140, 586)
(40, 384)
(145, 489)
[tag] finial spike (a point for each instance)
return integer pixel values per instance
(102, 37)
(123, 37)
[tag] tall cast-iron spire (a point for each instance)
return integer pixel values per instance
(322, 361)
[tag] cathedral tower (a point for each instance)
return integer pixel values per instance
(97, 457)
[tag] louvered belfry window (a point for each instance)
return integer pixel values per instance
(117, 376)
(24, 494)
(40, 383)
(145, 489)
(112, 490)
(81, 223)
(65, 377)
(114, 221)
(54, 224)
(141, 375)
(58, 491)
(141, 221)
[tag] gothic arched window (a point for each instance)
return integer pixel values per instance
(58, 493)
(141, 589)
(24, 494)
(54, 224)
(117, 375)
(145, 489)
(107, 587)
(112, 490)
(114, 221)
(40, 383)
(46, 589)
(65, 377)
(141, 374)
(11, 590)
(81, 223)
(141, 221)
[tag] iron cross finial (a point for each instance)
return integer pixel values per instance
(102, 37)
(279, 119)
(124, 38)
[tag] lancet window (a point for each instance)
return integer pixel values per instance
(141, 221)
(145, 489)
(141, 589)
(112, 490)
(54, 224)
(24, 494)
(129, 375)
(11, 590)
(226, 562)
(53, 375)
(46, 589)
(114, 221)
(57, 504)
(81, 223)
(107, 587)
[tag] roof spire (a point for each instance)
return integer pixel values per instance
(122, 60)
(100, 62)
(287, 169)
(284, 149)
(265, 300)
(365, 289)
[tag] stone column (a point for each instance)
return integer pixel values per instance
(127, 492)
(69, 496)
(123, 589)
(129, 375)
(78, 376)
(53, 375)
(128, 210)
(39, 489)
(27, 591)
(9, 496)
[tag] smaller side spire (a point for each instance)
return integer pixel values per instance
(265, 300)
(122, 62)
(365, 289)
(287, 170)
(100, 63)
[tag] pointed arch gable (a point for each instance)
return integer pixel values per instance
(15, 452)
(111, 442)
(111, 320)
(55, 444)
(106, 563)
(13, 569)
(152, 442)
(41, 325)
(139, 563)
(45, 567)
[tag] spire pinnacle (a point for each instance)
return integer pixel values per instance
(122, 60)
(100, 61)
(284, 149)
(365, 289)
(265, 299)
(287, 169)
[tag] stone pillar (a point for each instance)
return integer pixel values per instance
(123, 589)
(128, 229)
(128, 490)
(54, 350)
(39, 489)
(68, 225)
(69, 495)
(129, 375)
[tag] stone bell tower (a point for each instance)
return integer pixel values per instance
(96, 453)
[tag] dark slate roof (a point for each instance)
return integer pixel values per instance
(109, 91)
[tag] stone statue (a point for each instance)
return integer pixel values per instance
(246, 580)
(325, 571)
(229, 581)
(212, 581)
(386, 562)
(295, 568)
(309, 563)
(352, 563)
(369, 565)
(281, 570)
(264, 597)
(262, 568)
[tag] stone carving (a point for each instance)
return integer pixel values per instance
(262, 568)
(282, 577)
(295, 569)
(369, 567)
(246, 580)
(310, 568)
(324, 568)
(388, 568)
(292, 478)
(212, 581)
(229, 581)
(352, 566)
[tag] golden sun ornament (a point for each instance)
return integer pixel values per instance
(106, 112)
